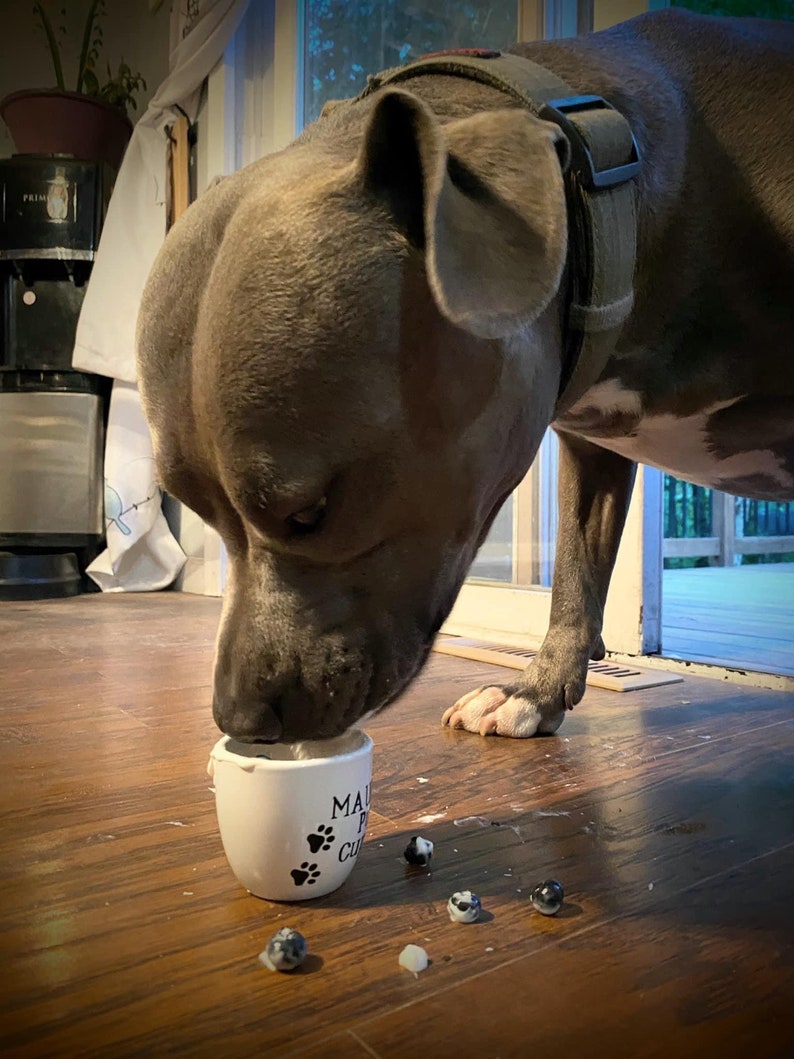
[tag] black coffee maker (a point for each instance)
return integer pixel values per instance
(52, 418)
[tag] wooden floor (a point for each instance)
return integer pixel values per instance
(741, 617)
(668, 815)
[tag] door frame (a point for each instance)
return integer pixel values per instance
(519, 614)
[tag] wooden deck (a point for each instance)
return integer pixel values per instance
(741, 617)
(667, 814)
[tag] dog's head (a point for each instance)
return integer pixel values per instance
(347, 366)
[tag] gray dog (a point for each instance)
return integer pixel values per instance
(349, 351)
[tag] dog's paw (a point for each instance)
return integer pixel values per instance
(495, 710)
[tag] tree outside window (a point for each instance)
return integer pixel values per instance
(348, 39)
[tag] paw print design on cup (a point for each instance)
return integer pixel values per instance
(321, 839)
(307, 874)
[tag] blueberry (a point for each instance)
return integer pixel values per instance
(419, 851)
(464, 907)
(547, 897)
(285, 951)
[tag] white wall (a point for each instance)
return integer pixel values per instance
(608, 13)
(131, 32)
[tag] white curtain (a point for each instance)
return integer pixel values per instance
(141, 553)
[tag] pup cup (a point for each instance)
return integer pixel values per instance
(292, 818)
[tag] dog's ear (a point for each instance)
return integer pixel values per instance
(483, 197)
(402, 153)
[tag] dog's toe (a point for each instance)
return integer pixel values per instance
(470, 709)
(493, 711)
(516, 718)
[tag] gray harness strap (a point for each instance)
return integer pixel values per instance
(529, 84)
(600, 191)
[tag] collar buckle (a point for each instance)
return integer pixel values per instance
(561, 112)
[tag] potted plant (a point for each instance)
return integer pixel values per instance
(90, 122)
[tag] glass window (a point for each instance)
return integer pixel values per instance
(348, 39)
(494, 560)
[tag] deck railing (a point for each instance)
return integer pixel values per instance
(723, 530)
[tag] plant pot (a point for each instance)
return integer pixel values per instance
(45, 121)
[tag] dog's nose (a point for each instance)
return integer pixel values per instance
(248, 722)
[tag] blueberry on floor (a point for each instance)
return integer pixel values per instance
(547, 897)
(464, 907)
(419, 851)
(285, 951)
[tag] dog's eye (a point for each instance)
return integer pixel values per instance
(309, 518)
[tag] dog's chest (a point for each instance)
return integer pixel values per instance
(736, 445)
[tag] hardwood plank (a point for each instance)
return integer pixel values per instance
(731, 616)
(716, 650)
(344, 1046)
(124, 932)
(706, 972)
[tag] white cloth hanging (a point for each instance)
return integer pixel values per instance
(134, 228)
(141, 553)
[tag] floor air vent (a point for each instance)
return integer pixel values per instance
(605, 674)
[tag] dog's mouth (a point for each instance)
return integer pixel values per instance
(331, 710)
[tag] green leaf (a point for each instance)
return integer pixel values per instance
(86, 46)
(55, 52)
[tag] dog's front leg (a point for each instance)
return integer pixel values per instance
(594, 492)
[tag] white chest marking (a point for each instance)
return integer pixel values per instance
(608, 397)
(676, 444)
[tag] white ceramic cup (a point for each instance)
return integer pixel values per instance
(292, 817)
